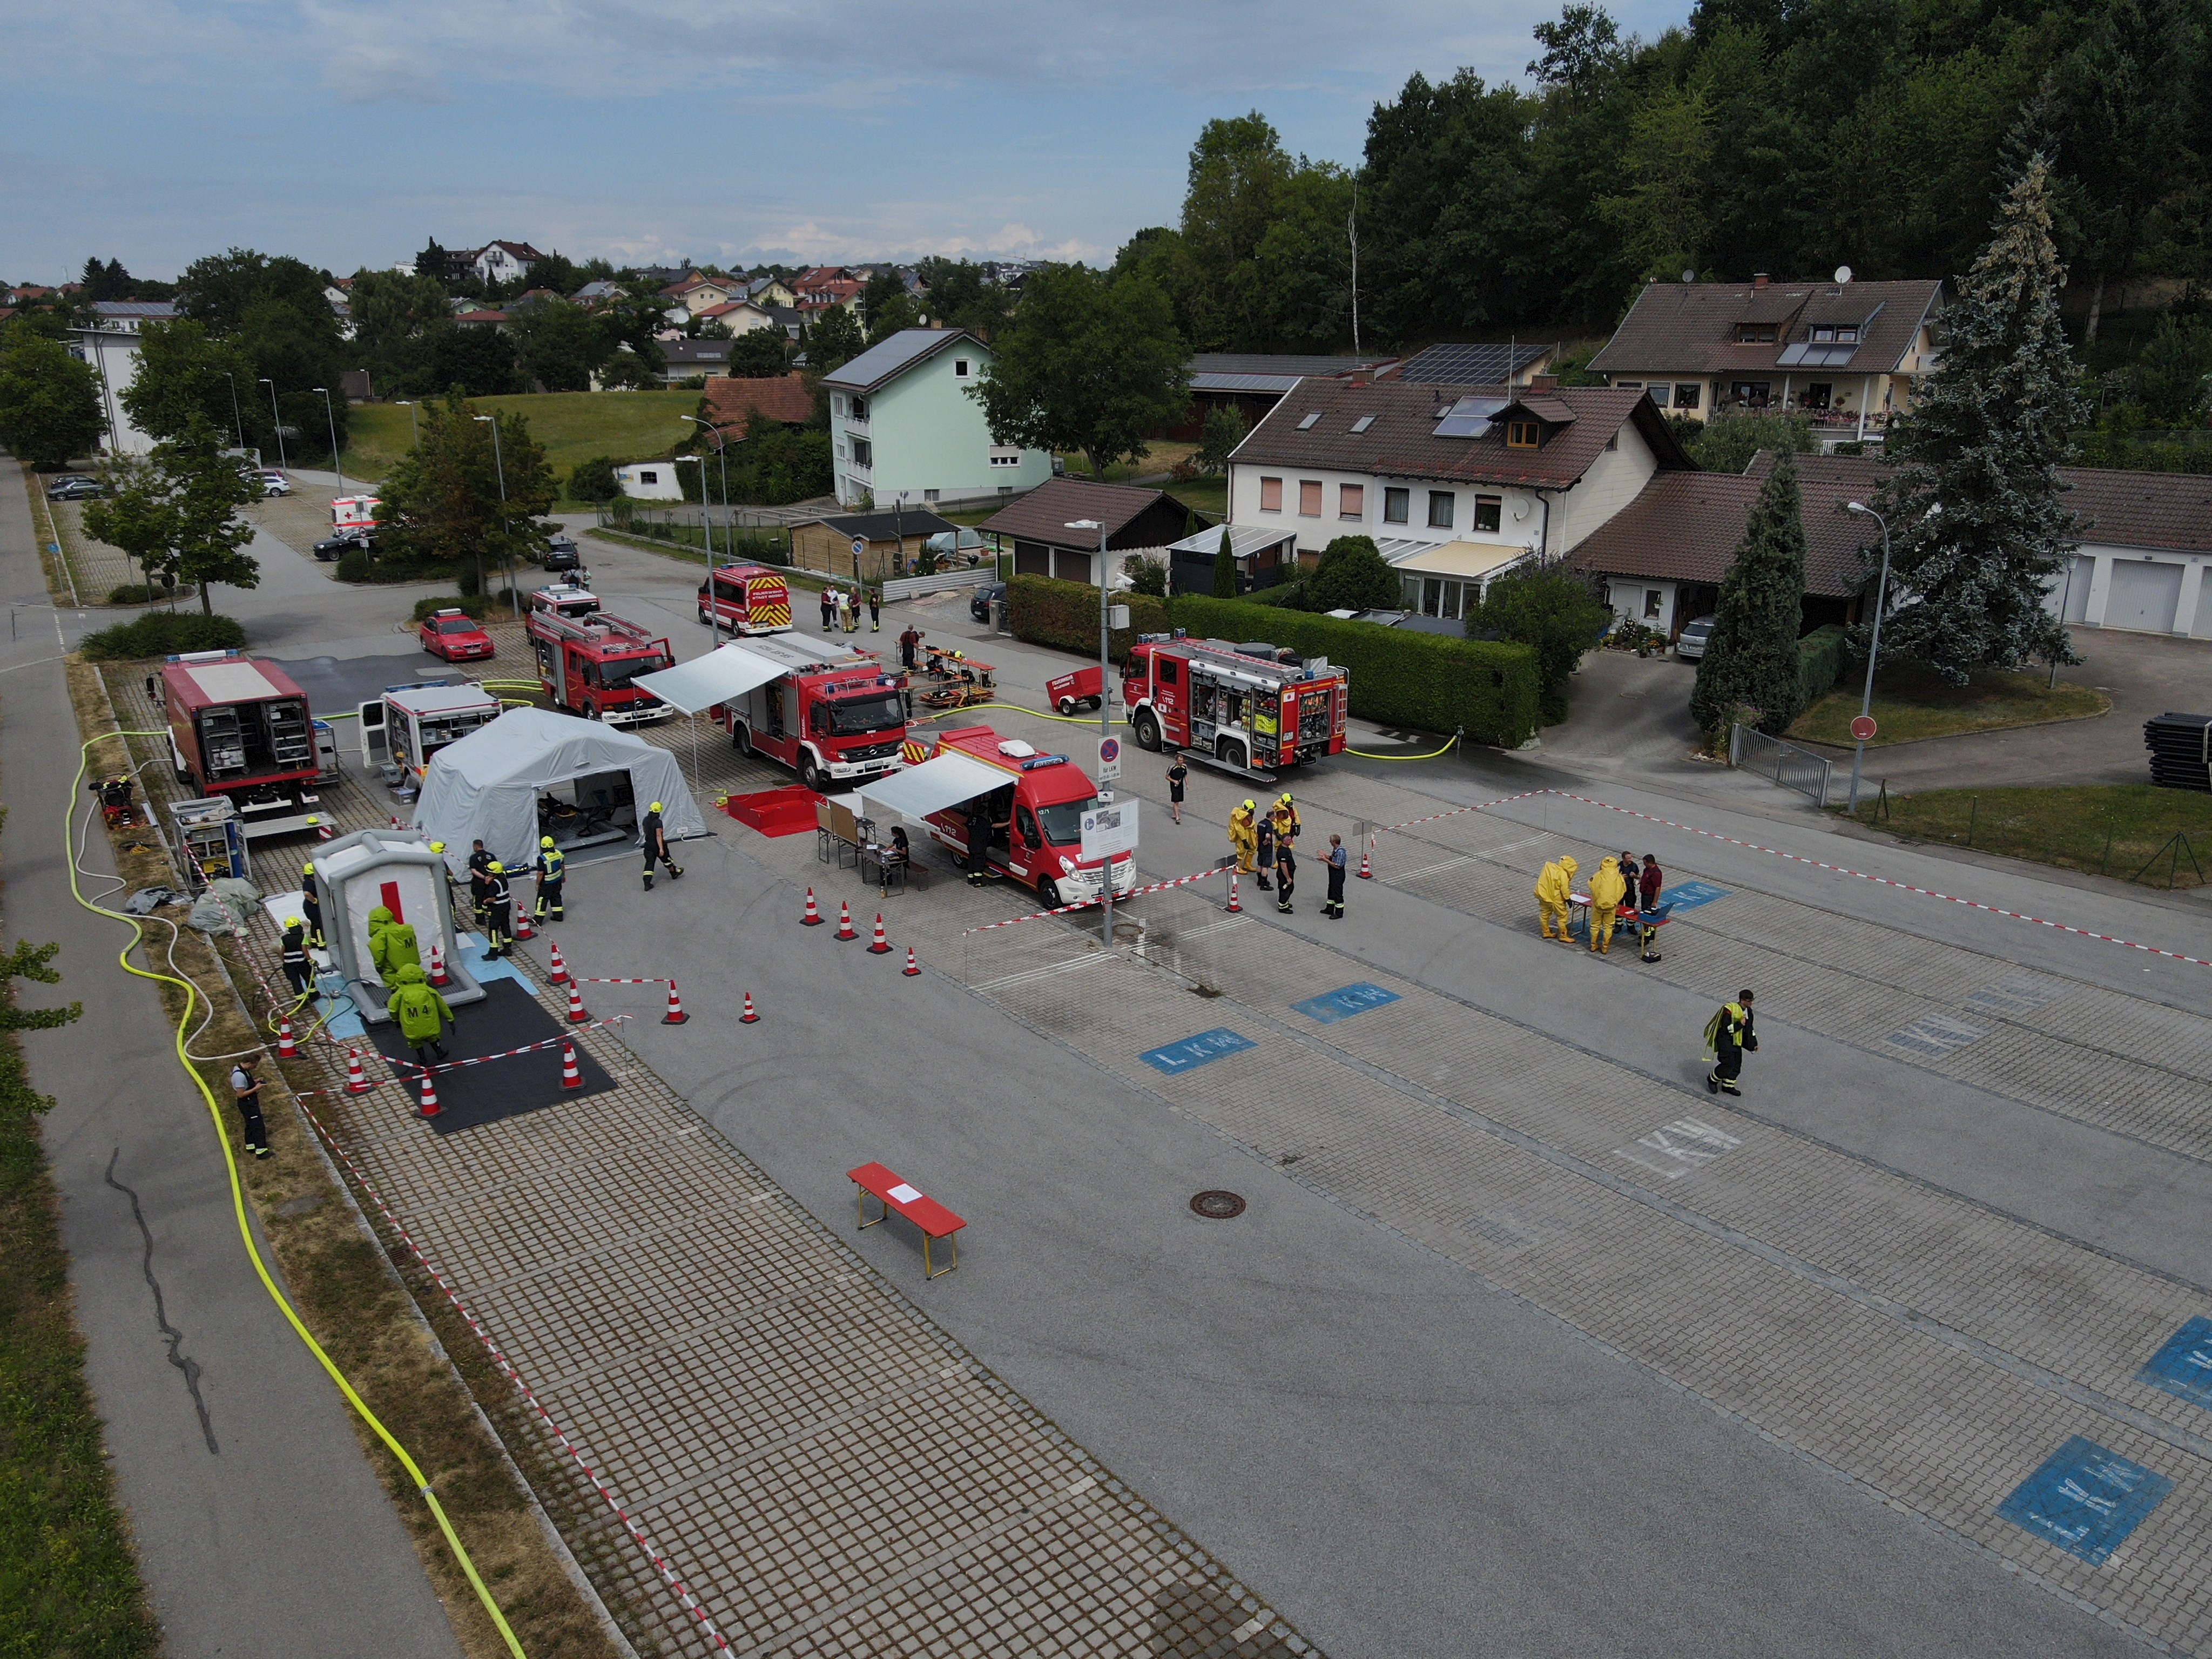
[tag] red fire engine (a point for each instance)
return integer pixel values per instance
(1250, 709)
(239, 730)
(588, 658)
(1040, 806)
(748, 599)
(835, 715)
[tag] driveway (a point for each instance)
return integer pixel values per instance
(2144, 674)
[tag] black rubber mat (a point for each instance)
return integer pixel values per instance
(339, 685)
(507, 1019)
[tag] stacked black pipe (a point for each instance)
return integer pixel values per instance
(2180, 750)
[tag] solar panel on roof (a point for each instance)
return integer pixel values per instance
(1470, 418)
(1469, 365)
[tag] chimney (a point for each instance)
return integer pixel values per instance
(1543, 383)
(1757, 280)
(1359, 376)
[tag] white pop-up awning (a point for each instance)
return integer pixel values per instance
(723, 673)
(934, 785)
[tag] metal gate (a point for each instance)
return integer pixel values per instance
(1792, 767)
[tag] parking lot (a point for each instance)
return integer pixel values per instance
(1519, 1331)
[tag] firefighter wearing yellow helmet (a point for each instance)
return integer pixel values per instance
(656, 846)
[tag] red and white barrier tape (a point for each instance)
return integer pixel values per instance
(1092, 904)
(421, 1072)
(596, 979)
(1525, 794)
(507, 1369)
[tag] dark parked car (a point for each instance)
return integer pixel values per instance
(562, 554)
(72, 489)
(979, 605)
(337, 547)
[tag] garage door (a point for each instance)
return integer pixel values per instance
(2074, 589)
(2143, 595)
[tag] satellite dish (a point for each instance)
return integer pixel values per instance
(1689, 276)
(1843, 273)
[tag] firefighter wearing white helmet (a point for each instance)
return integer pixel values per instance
(656, 846)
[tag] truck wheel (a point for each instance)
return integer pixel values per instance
(1048, 894)
(1231, 753)
(705, 620)
(1094, 704)
(741, 738)
(813, 776)
(1145, 726)
(591, 711)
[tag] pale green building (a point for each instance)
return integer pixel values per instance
(900, 421)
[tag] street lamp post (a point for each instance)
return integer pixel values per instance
(1873, 645)
(236, 419)
(514, 593)
(1105, 705)
(331, 414)
(276, 421)
(415, 418)
(729, 544)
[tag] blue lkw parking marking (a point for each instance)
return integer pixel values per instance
(2086, 1500)
(1690, 894)
(1192, 1052)
(1344, 1002)
(2184, 1366)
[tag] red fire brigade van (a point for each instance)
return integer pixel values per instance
(1041, 808)
(1247, 709)
(586, 659)
(239, 730)
(748, 599)
(837, 714)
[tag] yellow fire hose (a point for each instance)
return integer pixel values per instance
(238, 1209)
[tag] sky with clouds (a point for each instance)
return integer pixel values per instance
(646, 130)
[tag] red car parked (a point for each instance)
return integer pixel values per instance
(454, 635)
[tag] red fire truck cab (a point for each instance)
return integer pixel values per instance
(239, 730)
(837, 714)
(1040, 807)
(586, 659)
(747, 598)
(1247, 709)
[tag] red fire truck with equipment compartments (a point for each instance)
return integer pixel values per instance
(1250, 708)
(748, 599)
(586, 659)
(836, 716)
(1042, 804)
(240, 729)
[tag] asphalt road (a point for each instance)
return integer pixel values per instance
(258, 1524)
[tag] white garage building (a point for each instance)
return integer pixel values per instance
(2146, 542)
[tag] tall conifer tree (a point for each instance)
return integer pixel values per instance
(1752, 655)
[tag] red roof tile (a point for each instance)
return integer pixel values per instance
(784, 398)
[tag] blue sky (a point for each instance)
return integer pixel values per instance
(732, 131)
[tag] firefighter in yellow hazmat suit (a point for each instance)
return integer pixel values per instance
(1553, 888)
(1245, 836)
(1606, 889)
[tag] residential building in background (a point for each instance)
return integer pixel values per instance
(1456, 484)
(1136, 520)
(499, 262)
(901, 419)
(825, 286)
(1253, 382)
(1847, 354)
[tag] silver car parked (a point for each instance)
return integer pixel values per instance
(1690, 643)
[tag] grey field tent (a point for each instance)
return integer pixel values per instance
(487, 787)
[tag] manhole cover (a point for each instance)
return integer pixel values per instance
(1218, 1205)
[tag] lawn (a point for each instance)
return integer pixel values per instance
(573, 426)
(1208, 496)
(1910, 703)
(2109, 830)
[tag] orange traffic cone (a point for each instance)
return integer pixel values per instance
(1236, 907)
(322, 830)
(522, 928)
(430, 1107)
(560, 974)
(912, 967)
(674, 1016)
(572, 1075)
(576, 1014)
(286, 1049)
(438, 974)
(748, 1017)
(1367, 869)
(881, 947)
(395, 820)
(357, 1079)
(845, 929)
(813, 917)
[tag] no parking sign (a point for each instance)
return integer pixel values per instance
(1109, 759)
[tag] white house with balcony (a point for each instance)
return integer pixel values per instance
(1456, 484)
(901, 424)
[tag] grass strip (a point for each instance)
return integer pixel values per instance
(1909, 703)
(2109, 830)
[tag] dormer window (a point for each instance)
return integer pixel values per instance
(1306, 424)
(1524, 435)
(1754, 333)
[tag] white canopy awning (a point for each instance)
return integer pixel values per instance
(935, 785)
(725, 672)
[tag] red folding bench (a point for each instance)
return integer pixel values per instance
(896, 1195)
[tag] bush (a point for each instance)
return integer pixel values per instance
(1044, 611)
(353, 566)
(1820, 657)
(474, 604)
(163, 632)
(144, 593)
(1554, 610)
(595, 480)
(1353, 575)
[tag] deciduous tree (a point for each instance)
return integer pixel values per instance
(1553, 608)
(50, 406)
(1353, 575)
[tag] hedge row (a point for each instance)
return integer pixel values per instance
(1420, 682)
(1820, 657)
(160, 633)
